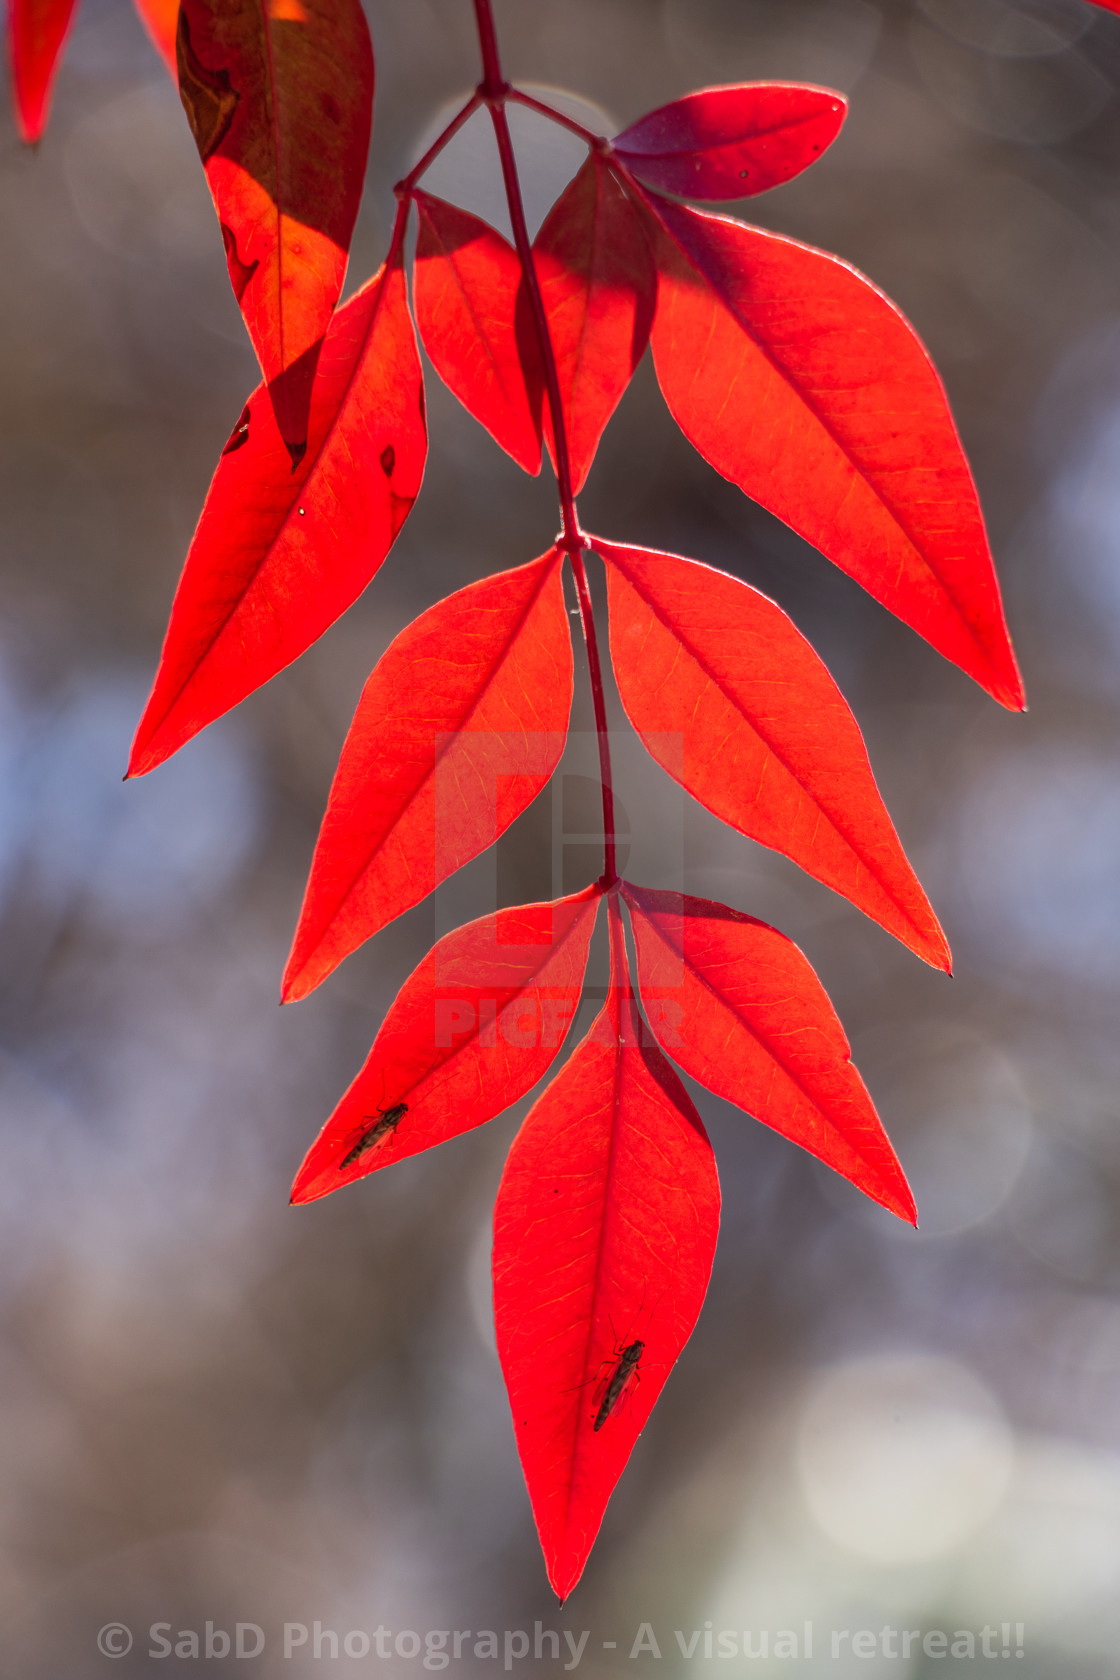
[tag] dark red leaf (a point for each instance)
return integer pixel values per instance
(598, 285)
(464, 287)
(766, 739)
(604, 1232)
(460, 726)
(279, 554)
(470, 1031)
(802, 383)
(735, 1003)
(37, 30)
(280, 98)
(730, 142)
(161, 19)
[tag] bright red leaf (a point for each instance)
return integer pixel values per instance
(279, 553)
(460, 726)
(161, 19)
(802, 383)
(604, 1232)
(598, 285)
(766, 739)
(464, 288)
(470, 1031)
(1108, 5)
(279, 94)
(37, 30)
(729, 142)
(737, 1006)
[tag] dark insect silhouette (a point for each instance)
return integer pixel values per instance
(387, 1120)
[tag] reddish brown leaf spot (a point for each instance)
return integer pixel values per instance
(388, 460)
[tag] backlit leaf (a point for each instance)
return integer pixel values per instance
(279, 95)
(737, 1006)
(729, 142)
(464, 289)
(460, 726)
(161, 19)
(766, 738)
(604, 1233)
(37, 30)
(471, 1030)
(279, 554)
(598, 285)
(802, 383)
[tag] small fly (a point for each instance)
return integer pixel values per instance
(386, 1120)
(626, 1368)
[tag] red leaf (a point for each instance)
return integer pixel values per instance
(802, 383)
(460, 726)
(1108, 5)
(161, 19)
(604, 1233)
(766, 738)
(598, 285)
(279, 94)
(464, 288)
(470, 1031)
(735, 1003)
(37, 30)
(731, 142)
(279, 554)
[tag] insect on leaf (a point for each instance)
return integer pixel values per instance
(767, 740)
(37, 31)
(279, 554)
(730, 142)
(161, 19)
(802, 383)
(279, 95)
(471, 1030)
(738, 1007)
(604, 1233)
(598, 285)
(464, 288)
(460, 726)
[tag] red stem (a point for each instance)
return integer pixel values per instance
(495, 90)
(405, 186)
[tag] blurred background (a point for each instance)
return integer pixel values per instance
(217, 1409)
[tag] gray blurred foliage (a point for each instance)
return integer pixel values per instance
(217, 1408)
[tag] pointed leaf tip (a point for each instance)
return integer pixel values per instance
(737, 1006)
(732, 142)
(458, 729)
(766, 739)
(470, 1031)
(604, 1234)
(281, 551)
(280, 102)
(801, 383)
(37, 32)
